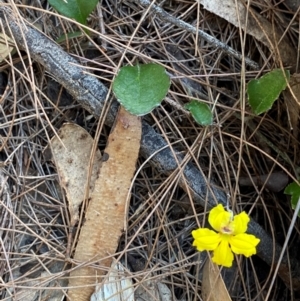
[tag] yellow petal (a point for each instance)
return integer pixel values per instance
(218, 217)
(240, 223)
(205, 239)
(223, 255)
(244, 244)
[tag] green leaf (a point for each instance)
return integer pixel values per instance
(141, 88)
(200, 112)
(293, 189)
(263, 92)
(75, 9)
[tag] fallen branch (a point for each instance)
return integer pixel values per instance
(166, 17)
(91, 94)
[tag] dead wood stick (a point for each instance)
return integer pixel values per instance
(91, 94)
(166, 17)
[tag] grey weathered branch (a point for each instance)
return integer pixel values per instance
(91, 94)
(166, 17)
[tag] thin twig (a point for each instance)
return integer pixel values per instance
(101, 25)
(163, 15)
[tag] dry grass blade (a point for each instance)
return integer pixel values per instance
(105, 216)
(5, 222)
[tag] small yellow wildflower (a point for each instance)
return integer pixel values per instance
(231, 236)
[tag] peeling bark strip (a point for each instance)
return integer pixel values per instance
(91, 94)
(106, 213)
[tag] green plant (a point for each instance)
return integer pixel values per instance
(74, 9)
(293, 189)
(263, 92)
(200, 112)
(141, 88)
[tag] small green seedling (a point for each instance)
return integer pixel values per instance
(141, 88)
(263, 92)
(200, 112)
(293, 189)
(74, 9)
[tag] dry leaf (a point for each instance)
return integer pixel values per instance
(116, 286)
(253, 24)
(5, 46)
(71, 151)
(213, 287)
(105, 216)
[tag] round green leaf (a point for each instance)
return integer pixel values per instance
(141, 88)
(293, 189)
(263, 92)
(200, 112)
(75, 9)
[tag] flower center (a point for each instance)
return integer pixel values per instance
(227, 229)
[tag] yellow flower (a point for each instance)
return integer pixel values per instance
(230, 236)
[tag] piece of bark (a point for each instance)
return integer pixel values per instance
(106, 213)
(206, 194)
